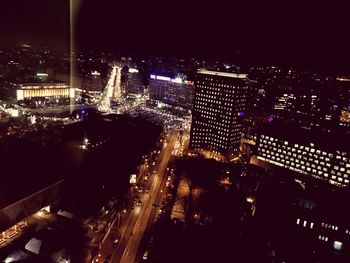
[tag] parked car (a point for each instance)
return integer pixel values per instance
(145, 255)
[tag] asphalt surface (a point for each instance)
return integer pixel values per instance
(140, 220)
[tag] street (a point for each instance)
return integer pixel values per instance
(139, 220)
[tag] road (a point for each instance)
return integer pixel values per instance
(141, 219)
(112, 90)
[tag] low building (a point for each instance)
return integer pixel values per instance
(44, 90)
(174, 91)
(308, 153)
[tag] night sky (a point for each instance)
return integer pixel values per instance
(313, 34)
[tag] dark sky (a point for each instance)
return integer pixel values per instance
(38, 22)
(307, 33)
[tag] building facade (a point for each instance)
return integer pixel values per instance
(44, 90)
(218, 109)
(174, 91)
(307, 153)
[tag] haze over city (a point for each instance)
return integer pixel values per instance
(185, 131)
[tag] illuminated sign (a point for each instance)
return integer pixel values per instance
(41, 74)
(163, 78)
(175, 80)
(95, 73)
(133, 70)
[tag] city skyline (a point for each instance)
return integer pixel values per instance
(310, 36)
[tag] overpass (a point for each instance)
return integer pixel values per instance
(19, 210)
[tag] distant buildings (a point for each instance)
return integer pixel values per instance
(93, 83)
(174, 91)
(132, 84)
(218, 109)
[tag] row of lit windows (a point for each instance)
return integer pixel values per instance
(323, 238)
(329, 226)
(303, 159)
(304, 223)
(214, 84)
(207, 109)
(301, 169)
(287, 154)
(310, 225)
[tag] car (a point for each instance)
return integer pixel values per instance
(145, 255)
(116, 241)
(139, 202)
(96, 258)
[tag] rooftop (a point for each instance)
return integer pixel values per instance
(222, 74)
(331, 141)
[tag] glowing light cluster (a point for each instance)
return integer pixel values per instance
(112, 89)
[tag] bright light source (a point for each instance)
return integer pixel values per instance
(95, 73)
(250, 199)
(163, 78)
(133, 70)
(71, 93)
(337, 245)
(42, 74)
(132, 179)
(177, 80)
(9, 260)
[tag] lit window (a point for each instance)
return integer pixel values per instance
(337, 245)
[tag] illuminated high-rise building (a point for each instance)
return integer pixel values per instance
(218, 109)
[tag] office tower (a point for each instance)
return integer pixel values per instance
(218, 109)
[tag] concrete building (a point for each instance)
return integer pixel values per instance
(44, 90)
(308, 153)
(173, 91)
(218, 109)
